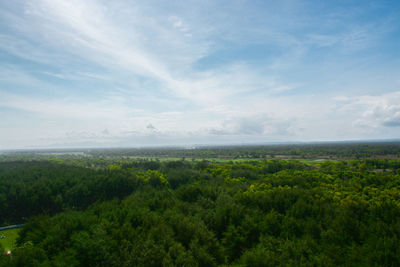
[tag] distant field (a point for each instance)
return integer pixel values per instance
(226, 160)
(222, 160)
(312, 161)
(10, 237)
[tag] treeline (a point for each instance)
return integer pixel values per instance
(344, 150)
(180, 213)
(333, 150)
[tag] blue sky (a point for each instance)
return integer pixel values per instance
(142, 73)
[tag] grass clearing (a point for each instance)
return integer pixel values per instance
(227, 160)
(8, 242)
(221, 160)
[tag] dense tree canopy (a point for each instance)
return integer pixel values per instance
(183, 213)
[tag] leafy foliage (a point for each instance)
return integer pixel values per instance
(180, 213)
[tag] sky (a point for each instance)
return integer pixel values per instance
(98, 73)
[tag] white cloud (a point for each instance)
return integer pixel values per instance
(130, 67)
(87, 29)
(256, 125)
(379, 111)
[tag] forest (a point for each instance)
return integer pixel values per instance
(140, 208)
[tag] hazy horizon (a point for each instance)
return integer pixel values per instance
(96, 73)
(93, 146)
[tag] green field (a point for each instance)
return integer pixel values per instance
(10, 237)
(219, 160)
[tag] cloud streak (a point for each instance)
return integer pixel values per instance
(197, 71)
